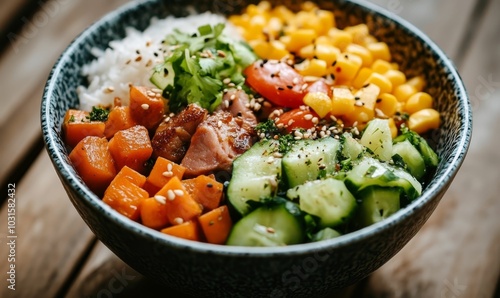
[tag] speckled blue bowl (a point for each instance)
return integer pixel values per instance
(313, 269)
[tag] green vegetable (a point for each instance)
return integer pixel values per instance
(97, 114)
(195, 70)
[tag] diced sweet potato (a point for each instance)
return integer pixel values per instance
(76, 126)
(207, 192)
(125, 197)
(119, 118)
(162, 172)
(181, 206)
(132, 175)
(189, 230)
(146, 107)
(154, 213)
(131, 147)
(93, 161)
(216, 225)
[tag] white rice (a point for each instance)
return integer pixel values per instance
(131, 60)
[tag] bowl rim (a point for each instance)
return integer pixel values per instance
(66, 172)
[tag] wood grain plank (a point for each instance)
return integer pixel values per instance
(51, 237)
(24, 68)
(457, 253)
(443, 21)
(8, 9)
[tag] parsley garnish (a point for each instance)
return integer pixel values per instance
(72, 118)
(98, 114)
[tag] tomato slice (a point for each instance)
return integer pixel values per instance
(276, 81)
(320, 86)
(297, 119)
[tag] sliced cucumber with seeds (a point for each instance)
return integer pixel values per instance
(276, 224)
(411, 157)
(307, 159)
(378, 138)
(378, 203)
(324, 234)
(328, 199)
(351, 148)
(255, 175)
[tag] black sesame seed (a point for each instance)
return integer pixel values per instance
(379, 100)
(281, 88)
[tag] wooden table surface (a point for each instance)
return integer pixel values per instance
(456, 254)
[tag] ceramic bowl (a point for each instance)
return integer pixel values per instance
(312, 269)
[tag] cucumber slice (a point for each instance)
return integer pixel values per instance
(378, 203)
(272, 225)
(307, 159)
(372, 172)
(328, 199)
(411, 157)
(351, 148)
(326, 233)
(163, 76)
(377, 137)
(255, 175)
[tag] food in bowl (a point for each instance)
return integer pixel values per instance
(299, 132)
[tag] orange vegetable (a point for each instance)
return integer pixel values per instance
(154, 213)
(146, 108)
(77, 126)
(133, 176)
(207, 192)
(119, 118)
(131, 147)
(92, 160)
(189, 230)
(125, 197)
(216, 225)
(162, 172)
(181, 206)
(297, 118)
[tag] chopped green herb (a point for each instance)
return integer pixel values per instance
(72, 118)
(98, 114)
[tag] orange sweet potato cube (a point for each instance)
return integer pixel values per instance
(76, 126)
(131, 147)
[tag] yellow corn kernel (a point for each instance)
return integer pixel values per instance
(308, 20)
(300, 38)
(359, 116)
(273, 27)
(327, 53)
(240, 20)
(424, 120)
(342, 102)
(396, 77)
(359, 32)
(417, 102)
(347, 67)
(264, 6)
(326, 19)
(340, 38)
(382, 82)
(308, 6)
(312, 67)
(307, 52)
(379, 50)
(277, 50)
(368, 96)
(368, 40)
(283, 13)
(324, 40)
(400, 106)
(403, 92)
(381, 66)
(320, 102)
(262, 9)
(361, 77)
(260, 47)
(285, 39)
(394, 129)
(387, 104)
(417, 82)
(362, 52)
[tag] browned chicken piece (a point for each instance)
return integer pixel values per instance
(172, 138)
(238, 102)
(216, 143)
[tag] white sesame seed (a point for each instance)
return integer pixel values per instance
(167, 174)
(178, 192)
(171, 115)
(227, 81)
(109, 89)
(178, 220)
(295, 81)
(304, 87)
(262, 135)
(322, 134)
(270, 159)
(232, 97)
(308, 117)
(169, 167)
(231, 84)
(355, 124)
(315, 120)
(145, 106)
(156, 90)
(239, 88)
(160, 199)
(290, 122)
(337, 137)
(219, 218)
(170, 195)
(280, 125)
(277, 155)
(226, 103)
(221, 53)
(358, 103)
(297, 138)
(333, 118)
(270, 230)
(298, 134)
(219, 123)
(257, 106)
